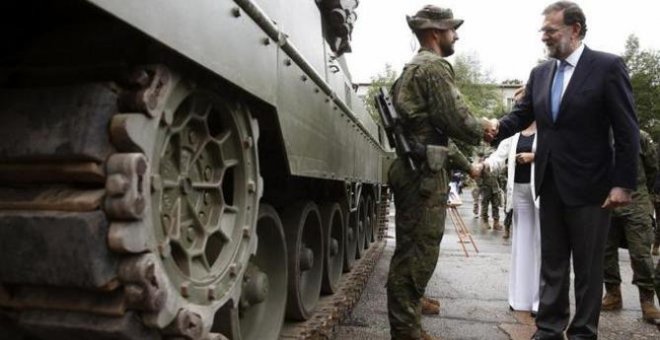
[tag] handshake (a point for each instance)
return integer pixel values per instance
(491, 129)
(476, 169)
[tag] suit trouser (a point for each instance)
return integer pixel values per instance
(565, 231)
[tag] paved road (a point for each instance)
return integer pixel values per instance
(473, 294)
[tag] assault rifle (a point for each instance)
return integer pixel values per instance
(394, 128)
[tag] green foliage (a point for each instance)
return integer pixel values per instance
(385, 79)
(478, 88)
(644, 68)
(512, 82)
(479, 92)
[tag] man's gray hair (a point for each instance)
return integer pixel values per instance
(572, 14)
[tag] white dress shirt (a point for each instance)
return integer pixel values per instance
(572, 61)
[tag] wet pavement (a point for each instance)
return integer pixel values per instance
(473, 293)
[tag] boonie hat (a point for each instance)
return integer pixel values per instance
(433, 17)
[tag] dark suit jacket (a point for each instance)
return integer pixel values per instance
(597, 105)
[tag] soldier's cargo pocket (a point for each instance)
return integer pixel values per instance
(428, 185)
(436, 157)
(434, 218)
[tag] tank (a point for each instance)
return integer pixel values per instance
(182, 169)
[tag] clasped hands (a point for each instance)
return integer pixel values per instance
(491, 129)
(477, 169)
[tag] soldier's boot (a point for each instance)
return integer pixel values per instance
(612, 299)
(649, 312)
(497, 225)
(506, 233)
(655, 250)
(427, 336)
(431, 300)
(484, 223)
(430, 306)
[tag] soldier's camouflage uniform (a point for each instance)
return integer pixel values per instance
(490, 196)
(426, 97)
(475, 199)
(631, 225)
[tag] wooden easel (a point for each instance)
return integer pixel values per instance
(462, 230)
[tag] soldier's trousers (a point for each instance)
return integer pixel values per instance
(491, 198)
(635, 229)
(420, 202)
(475, 200)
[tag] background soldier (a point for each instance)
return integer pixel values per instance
(490, 196)
(632, 224)
(432, 111)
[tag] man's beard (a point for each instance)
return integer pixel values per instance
(561, 48)
(447, 49)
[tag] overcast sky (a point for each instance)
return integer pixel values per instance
(503, 34)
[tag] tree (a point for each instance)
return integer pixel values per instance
(644, 69)
(384, 79)
(479, 92)
(512, 82)
(477, 86)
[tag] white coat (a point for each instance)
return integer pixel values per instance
(497, 160)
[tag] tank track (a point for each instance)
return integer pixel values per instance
(75, 251)
(332, 310)
(74, 261)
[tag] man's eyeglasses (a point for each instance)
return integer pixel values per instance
(550, 30)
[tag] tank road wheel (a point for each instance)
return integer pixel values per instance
(334, 236)
(263, 297)
(304, 240)
(351, 237)
(361, 218)
(205, 189)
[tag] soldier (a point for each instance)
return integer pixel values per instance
(432, 111)
(490, 196)
(632, 225)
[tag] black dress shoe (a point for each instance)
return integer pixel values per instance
(541, 336)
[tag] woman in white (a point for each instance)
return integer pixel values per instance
(525, 269)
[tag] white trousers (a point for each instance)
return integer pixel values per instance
(525, 271)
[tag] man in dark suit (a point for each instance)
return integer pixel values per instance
(586, 162)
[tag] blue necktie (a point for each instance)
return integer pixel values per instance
(557, 88)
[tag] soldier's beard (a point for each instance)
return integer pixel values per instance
(447, 49)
